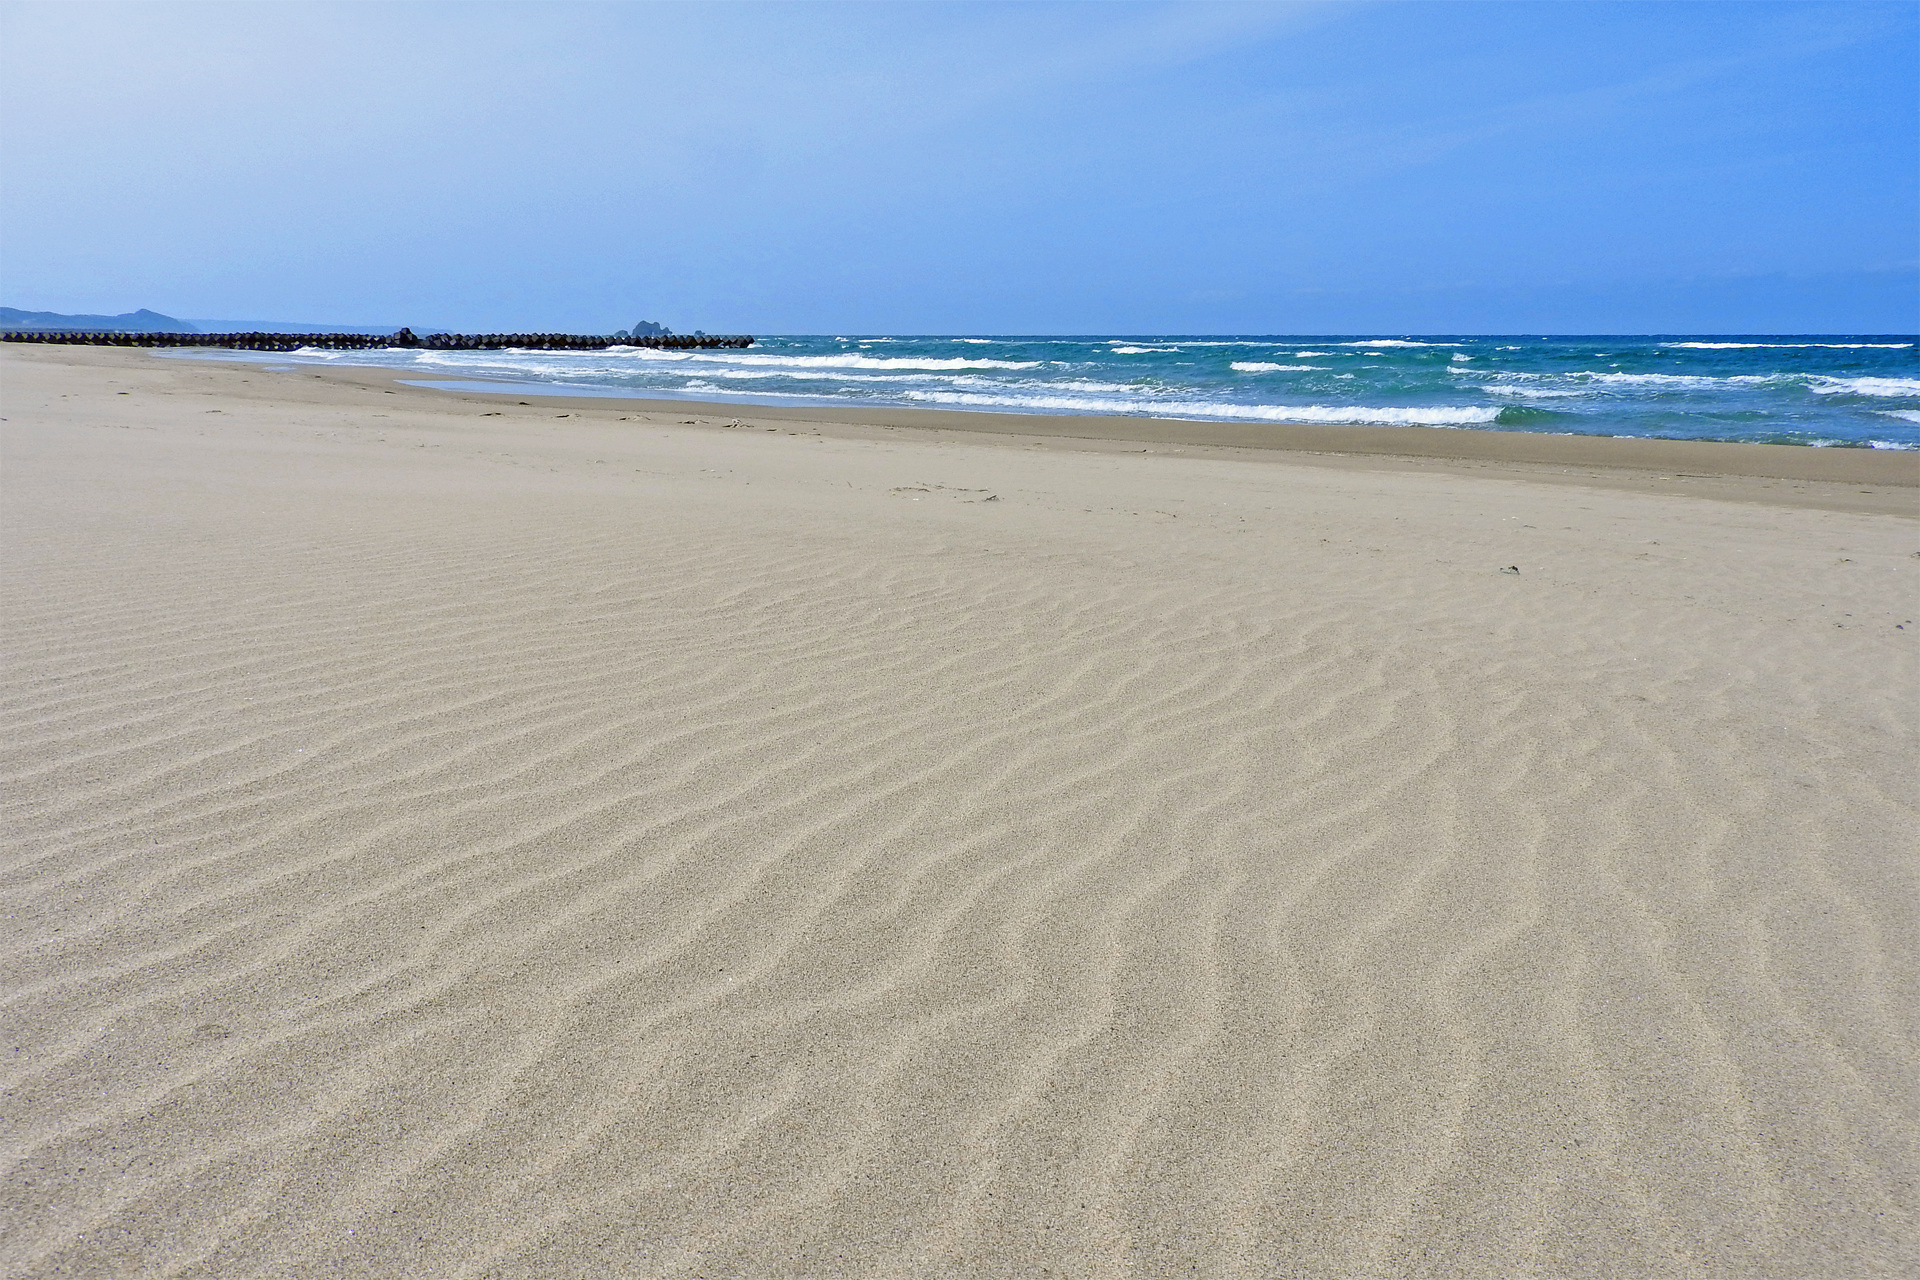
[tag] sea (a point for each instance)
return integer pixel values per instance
(1857, 391)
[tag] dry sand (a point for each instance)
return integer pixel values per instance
(562, 846)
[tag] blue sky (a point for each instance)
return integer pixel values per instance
(1111, 168)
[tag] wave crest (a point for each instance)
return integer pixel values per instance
(1877, 387)
(1788, 346)
(1314, 414)
(848, 361)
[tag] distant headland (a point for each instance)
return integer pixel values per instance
(141, 321)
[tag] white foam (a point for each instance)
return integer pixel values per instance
(1075, 385)
(1670, 381)
(821, 375)
(1261, 366)
(1141, 351)
(1309, 353)
(1789, 346)
(1343, 415)
(1865, 386)
(1905, 415)
(1682, 380)
(1819, 384)
(1856, 444)
(889, 379)
(1458, 356)
(1395, 342)
(849, 361)
(1535, 393)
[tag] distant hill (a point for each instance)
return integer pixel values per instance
(142, 321)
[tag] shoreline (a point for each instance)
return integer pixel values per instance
(1868, 480)
(1389, 434)
(1457, 444)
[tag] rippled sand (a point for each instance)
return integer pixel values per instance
(446, 845)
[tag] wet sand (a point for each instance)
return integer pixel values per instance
(454, 837)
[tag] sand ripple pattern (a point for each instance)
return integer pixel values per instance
(680, 881)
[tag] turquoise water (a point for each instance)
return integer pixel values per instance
(1819, 390)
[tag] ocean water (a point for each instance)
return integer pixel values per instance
(1860, 391)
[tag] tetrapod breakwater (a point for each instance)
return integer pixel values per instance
(368, 341)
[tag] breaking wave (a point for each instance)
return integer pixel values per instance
(1787, 346)
(1351, 415)
(1880, 387)
(1395, 342)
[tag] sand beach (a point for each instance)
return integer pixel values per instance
(451, 836)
